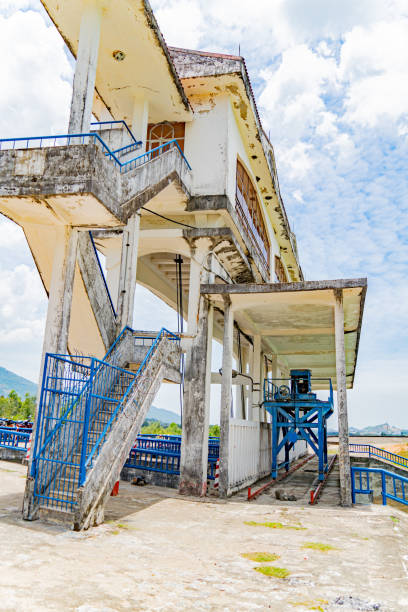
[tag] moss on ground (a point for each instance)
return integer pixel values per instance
(319, 546)
(274, 572)
(273, 525)
(260, 557)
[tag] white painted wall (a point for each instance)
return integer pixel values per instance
(205, 147)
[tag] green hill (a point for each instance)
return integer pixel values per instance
(164, 416)
(10, 381)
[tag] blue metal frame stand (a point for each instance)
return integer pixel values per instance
(297, 414)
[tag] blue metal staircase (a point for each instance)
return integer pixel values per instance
(89, 415)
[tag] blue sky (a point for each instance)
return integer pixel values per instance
(331, 81)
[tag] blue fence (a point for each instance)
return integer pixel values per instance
(393, 486)
(159, 453)
(378, 453)
(14, 438)
(86, 138)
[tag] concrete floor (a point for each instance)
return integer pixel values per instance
(158, 551)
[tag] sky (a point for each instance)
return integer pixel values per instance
(331, 83)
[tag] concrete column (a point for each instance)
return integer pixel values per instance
(197, 385)
(256, 375)
(247, 388)
(344, 456)
(60, 292)
(193, 293)
(226, 396)
(85, 69)
(59, 299)
(128, 269)
(140, 121)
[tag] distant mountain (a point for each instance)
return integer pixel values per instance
(10, 381)
(164, 416)
(385, 429)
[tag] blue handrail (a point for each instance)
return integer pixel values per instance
(365, 488)
(68, 137)
(116, 122)
(151, 154)
(102, 273)
(378, 453)
(123, 167)
(162, 333)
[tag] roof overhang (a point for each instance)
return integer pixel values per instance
(207, 75)
(147, 71)
(296, 320)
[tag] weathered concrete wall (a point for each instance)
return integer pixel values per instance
(205, 147)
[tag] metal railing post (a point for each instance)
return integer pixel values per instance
(82, 469)
(353, 487)
(384, 488)
(37, 427)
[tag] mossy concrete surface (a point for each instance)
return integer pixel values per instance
(160, 551)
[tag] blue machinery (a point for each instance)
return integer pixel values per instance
(297, 414)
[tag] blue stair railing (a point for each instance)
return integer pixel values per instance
(393, 486)
(81, 397)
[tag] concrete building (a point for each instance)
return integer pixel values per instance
(164, 159)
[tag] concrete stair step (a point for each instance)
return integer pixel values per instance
(56, 516)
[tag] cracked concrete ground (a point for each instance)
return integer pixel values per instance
(158, 551)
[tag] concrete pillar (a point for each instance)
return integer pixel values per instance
(85, 69)
(196, 406)
(140, 121)
(256, 375)
(344, 456)
(247, 387)
(59, 299)
(60, 292)
(128, 269)
(226, 395)
(193, 292)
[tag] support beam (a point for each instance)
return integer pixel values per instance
(128, 270)
(197, 381)
(193, 294)
(226, 396)
(85, 69)
(344, 456)
(256, 375)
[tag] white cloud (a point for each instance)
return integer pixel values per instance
(179, 31)
(36, 90)
(373, 63)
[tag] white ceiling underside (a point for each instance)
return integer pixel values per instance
(298, 324)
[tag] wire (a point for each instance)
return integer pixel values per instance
(167, 218)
